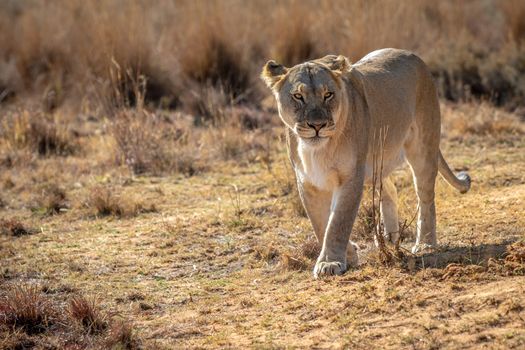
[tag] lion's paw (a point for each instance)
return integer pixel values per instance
(329, 268)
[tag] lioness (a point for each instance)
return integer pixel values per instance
(335, 113)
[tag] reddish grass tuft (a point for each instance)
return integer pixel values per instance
(14, 227)
(87, 313)
(26, 308)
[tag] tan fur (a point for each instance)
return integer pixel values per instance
(332, 138)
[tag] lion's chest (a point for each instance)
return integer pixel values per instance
(318, 172)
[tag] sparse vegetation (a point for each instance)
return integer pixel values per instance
(51, 200)
(105, 202)
(24, 307)
(29, 317)
(86, 312)
(14, 228)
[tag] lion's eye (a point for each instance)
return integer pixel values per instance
(298, 97)
(328, 96)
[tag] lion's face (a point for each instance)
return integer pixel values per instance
(309, 97)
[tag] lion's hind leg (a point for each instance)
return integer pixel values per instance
(423, 162)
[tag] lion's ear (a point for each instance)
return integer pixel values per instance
(338, 63)
(272, 73)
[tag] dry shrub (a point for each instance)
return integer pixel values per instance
(136, 85)
(52, 200)
(64, 45)
(105, 202)
(364, 224)
(212, 61)
(121, 336)
(266, 251)
(87, 313)
(291, 261)
(17, 340)
(301, 257)
(473, 71)
(480, 119)
(208, 104)
(288, 258)
(149, 143)
(26, 308)
(13, 227)
(293, 40)
(29, 318)
(310, 248)
(42, 134)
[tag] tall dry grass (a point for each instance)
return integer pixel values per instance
(125, 62)
(474, 47)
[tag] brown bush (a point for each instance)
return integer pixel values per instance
(66, 45)
(212, 61)
(42, 134)
(87, 313)
(51, 200)
(480, 119)
(13, 227)
(26, 308)
(122, 336)
(147, 143)
(105, 202)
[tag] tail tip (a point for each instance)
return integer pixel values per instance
(464, 177)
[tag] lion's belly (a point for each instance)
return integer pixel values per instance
(389, 165)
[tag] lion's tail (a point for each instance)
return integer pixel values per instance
(461, 182)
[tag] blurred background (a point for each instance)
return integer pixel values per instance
(70, 48)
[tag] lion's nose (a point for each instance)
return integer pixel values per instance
(316, 125)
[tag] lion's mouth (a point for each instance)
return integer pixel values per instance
(313, 134)
(314, 140)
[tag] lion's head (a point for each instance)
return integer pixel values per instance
(310, 96)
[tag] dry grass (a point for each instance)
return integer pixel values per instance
(482, 120)
(24, 307)
(475, 48)
(14, 228)
(122, 336)
(148, 144)
(106, 202)
(51, 200)
(42, 134)
(115, 109)
(29, 318)
(87, 313)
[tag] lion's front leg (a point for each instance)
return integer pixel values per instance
(332, 259)
(317, 205)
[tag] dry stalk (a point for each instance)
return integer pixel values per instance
(387, 255)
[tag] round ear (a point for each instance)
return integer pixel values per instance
(272, 73)
(336, 63)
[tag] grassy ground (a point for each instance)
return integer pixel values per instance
(223, 258)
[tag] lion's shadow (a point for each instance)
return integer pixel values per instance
(473, 254)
